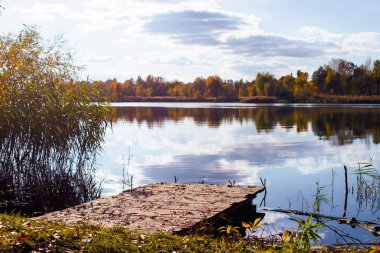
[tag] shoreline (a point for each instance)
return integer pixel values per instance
(263, 100)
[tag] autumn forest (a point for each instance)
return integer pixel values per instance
(339, 78)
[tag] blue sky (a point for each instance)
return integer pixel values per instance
(188, 38)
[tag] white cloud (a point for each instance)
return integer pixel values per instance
(99, 59)
(317, 33)
(359, 43)
(42, 12)
(117, 30)
(248, 172)
(162, 159)
(347, 45)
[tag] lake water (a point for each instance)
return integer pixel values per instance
(292, 147)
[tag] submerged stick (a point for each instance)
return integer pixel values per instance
(264, 183)
(367, 225)
(346, 193)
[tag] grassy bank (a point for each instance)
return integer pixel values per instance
(323, 99)
(176, 99)
(19, 234)
(340, 99)
(256, 99)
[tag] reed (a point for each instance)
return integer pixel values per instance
(50, 131)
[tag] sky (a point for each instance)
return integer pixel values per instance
(184, 39)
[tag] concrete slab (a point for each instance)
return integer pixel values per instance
(159, 207)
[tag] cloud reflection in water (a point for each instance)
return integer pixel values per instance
(292, 147)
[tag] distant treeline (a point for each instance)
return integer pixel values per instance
(338, 78)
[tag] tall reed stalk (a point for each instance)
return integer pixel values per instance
(50, 130)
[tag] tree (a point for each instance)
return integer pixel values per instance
(200, 86)
(214, 86)
(265, 84)
(310, 88)
(288, 82)
(300, 82)
(128, 88)
(176, 89)
(140, 87)
(375, 73)
(243, 91)
(319, 78)
(343, 71)
(250, 88)
(228, 90)
(331, 80)
(376, 69)
(115, 89)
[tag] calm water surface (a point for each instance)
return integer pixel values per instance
(293, 147)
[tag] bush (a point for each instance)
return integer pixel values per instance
(50, 130)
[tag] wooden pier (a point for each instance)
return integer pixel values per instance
(160, 207)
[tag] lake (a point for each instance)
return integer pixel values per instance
(300, 151)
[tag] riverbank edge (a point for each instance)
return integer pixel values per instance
(21, 234)
(322, 99)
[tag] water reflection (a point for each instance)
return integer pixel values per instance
(291, 147)
(341, 124)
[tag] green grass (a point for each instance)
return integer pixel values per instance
(18, 234)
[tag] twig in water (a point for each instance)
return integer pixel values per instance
(333, 173)
(367, 225)
(127, 178)
(264, 183)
